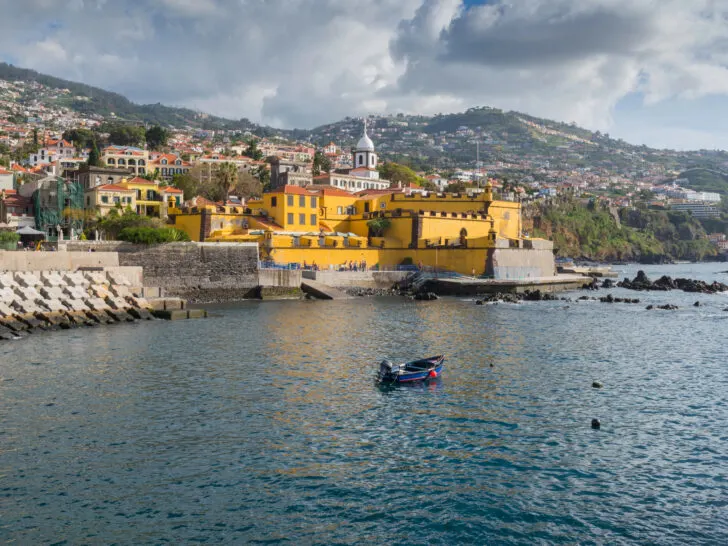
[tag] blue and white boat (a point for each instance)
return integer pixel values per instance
(416, 370)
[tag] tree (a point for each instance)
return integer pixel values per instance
(321, 163)
(225, 179)
(248, 185)
(262, 174)
(396, 173)
(93, 156)
(456, 187)
(377, 226)
(79, 137)
(157, 137)
(127, 135)
(252, 150)
(189, 185)
(36, 144)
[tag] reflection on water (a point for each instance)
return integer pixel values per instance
(264, 423)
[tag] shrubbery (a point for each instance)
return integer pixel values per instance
(9, 237)
(152, 236)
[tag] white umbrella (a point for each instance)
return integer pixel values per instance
(29, 231)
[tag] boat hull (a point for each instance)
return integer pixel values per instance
(418, 370)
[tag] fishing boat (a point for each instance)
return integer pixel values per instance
(416, 370)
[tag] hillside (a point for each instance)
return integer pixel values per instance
(583, 231)
(93, 101)
(512, 140)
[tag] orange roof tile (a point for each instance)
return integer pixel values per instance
(111, 187)
(139, 180)
(171, 189)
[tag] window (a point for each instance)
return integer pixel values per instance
(313, 202)
(313, 220)
(290, 200)
(273, 201)
(104, 198)
(290, 218)
(339, 210)
(116, 200)
(301, 200)
(302, 219)
(88, 201)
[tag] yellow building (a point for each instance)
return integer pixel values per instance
(331, 227)
(109, 196)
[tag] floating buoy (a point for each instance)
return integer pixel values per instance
(596, 424)
(596, 384)
(433, 373)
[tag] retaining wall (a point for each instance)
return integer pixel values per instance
(518, 263)
(199, 272)
(360, 279)
(55, 261)
(285, 278)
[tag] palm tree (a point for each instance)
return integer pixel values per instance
(226, 178)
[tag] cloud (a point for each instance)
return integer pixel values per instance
(572, 60)
(299, 63)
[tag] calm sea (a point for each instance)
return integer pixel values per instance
(262, 424)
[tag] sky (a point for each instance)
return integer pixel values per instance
(652, 72)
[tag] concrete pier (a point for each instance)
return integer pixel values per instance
(474, 286)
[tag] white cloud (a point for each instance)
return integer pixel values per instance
(306, 62)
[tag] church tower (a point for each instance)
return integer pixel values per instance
(364, 154)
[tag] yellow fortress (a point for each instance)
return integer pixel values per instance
(329, 228)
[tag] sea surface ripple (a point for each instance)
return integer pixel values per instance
(262, 424)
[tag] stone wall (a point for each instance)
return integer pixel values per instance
(286, 278)
(199, 272)
(518, 263)
(11, 260)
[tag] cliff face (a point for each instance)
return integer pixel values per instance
(598, 234)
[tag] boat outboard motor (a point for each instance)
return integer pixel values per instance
(387, 369)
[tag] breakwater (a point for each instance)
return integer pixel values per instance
(45, 300)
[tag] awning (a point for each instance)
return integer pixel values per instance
(29, 231)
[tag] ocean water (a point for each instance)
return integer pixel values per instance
(263, 424)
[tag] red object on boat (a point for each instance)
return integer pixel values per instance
(433, 373)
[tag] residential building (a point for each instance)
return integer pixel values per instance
(167, 165)
(284, 172)
(698, 210)
(16, 210)
(109, 196)
(90, 177)
(126, 157)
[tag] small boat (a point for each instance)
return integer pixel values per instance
(417, 370)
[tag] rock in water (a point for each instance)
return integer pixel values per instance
(596, 384)
(696, 304)
(595, 424)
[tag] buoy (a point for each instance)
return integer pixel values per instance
(433, 373)
(596, 424)
(596, 385)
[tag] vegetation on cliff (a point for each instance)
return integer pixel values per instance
(583, 230)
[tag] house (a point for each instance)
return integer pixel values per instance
(167, 165)
(90, 177)
(109, 196)
(16, 210)
(126, 157)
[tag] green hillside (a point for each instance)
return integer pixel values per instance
(91, 100)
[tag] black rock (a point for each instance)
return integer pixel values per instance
(696, 304)
(668, 307)
(650, 307)
(595, 424)
(608, 283)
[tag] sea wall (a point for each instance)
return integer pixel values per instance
(520, 263)
(199, 272)
(55, 261)
(359, 279)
